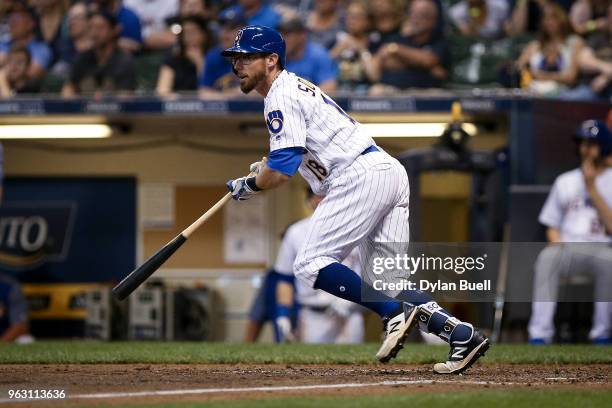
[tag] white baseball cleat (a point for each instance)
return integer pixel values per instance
(463, 354)
(396, 331)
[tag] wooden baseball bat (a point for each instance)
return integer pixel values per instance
(142, 273)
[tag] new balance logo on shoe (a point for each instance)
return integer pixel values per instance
(460, 358)
(393, 327)
(458, 352)
(396, 331)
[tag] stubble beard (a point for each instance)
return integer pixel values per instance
(252, 82)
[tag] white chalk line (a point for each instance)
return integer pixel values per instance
(196, 391)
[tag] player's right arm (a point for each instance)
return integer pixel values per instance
(552, 214)
(553, 235)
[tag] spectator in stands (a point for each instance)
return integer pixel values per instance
(187, 8)
(153, 15)
(483, 19)
(589, 16)
(595, 80)
(595, 64)
(218, 78)
(130, 37)
(104, 68)
(1, 173)
(416, 60)
(195, 8)
(13, 311)
(325, 22)
(351, 49)
(306, 58)
(14, 77)
(525, 17)
(75, 38)
(182, 68)
(552, 60)
(256, 12)
(51, 18)
(387, 19)
(6, 7)
(22, 25)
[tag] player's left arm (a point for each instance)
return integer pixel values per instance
(603, 209)
(269, 178)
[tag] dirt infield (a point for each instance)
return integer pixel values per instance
(85, 383)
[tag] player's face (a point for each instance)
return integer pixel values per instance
(250, 70)
(589, 150)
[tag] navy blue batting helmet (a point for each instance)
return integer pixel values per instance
(258, 40)
(597, 131)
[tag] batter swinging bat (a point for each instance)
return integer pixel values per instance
(140, 274)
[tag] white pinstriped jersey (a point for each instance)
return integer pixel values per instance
(299, 114)
(569, 208)
(292, 242)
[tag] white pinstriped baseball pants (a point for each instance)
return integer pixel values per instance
(366, 203)
(558, 261)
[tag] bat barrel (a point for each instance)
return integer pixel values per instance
(142, 273)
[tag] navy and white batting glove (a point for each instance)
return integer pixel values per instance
(242, 188)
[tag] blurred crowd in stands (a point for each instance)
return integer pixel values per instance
(557, 48)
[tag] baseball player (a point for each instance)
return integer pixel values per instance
(13, 310)
(366, 195)
(323, 318)
(265, 308)
(578, 209)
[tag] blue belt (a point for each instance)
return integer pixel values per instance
(370, 149)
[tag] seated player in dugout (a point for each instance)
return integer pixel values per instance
(577, 210)
(13, 311)
(366, 196)
(265, 309)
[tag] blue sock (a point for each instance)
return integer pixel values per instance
(341, 281)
